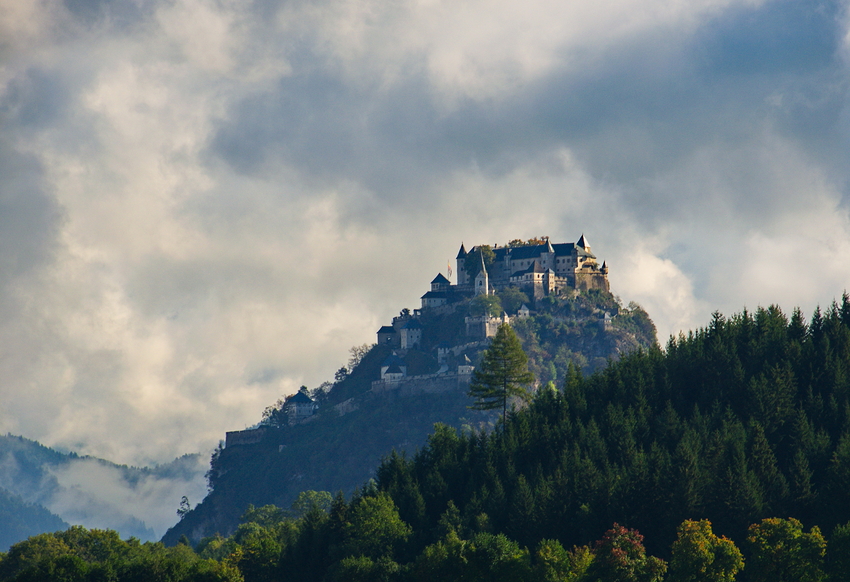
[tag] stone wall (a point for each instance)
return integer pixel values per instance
(244, 437)
(430, 384)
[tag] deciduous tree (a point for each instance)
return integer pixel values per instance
(782, 552)
(700, 556)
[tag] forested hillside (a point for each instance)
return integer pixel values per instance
(355, 428)
(738, 423)
(20, 520)
(729, 450)
(745, 419)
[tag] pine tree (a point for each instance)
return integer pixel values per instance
(503, 373)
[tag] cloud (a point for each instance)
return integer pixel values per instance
(96, 495)
(204, 204)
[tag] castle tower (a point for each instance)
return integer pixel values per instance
(482, 279)
(462, 278)
(582, 242)
(547, 257)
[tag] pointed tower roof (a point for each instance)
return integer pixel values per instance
(483, 266)
(441, 280)
(582, 242)
(461, 254)
(549, 247)
(604, 268)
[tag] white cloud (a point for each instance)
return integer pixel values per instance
(209, 202)
(96, 495)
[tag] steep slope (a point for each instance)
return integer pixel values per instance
(20, 520)
(359, 423)
(743, 425)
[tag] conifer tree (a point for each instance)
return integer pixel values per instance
(503, 373)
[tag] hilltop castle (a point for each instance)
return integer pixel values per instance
(538, 270)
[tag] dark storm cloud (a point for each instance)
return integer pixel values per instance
(637, 112)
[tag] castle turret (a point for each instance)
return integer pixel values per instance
(582, 242)
(482, 279)
(462, 276)
(440, 283)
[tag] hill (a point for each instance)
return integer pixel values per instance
(54, 489)
(20, 520)
(746, 419)
(723, 431)
(362, 418)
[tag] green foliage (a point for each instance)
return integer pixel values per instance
(552, 563)
(485, 305)
(700, 556)
(483, 557)
(838, 553)
(364, 569)
(472, 262)
(782, 552)
(512, 299)
(84, 555)
(311, 501)
(503, 373)
(740, 421)
(374, 528)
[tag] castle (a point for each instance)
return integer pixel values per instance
(538, 270)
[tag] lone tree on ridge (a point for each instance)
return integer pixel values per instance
(503, 373)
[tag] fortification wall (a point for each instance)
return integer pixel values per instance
(430, 384)
(244, 437)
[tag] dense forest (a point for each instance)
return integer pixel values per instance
(729, 450)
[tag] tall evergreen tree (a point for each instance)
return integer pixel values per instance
(503, 373)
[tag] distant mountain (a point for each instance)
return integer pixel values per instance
(54, 489)
(362, 418)
(20, 520)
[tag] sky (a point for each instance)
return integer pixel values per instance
(205, 203)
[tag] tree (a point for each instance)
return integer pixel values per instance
(485, 305)
(311, 501)
(185, 507)
(781, 552)
(700, 556)
(357, 355)
(503, 373)
(555, 564)
(838, 552)
(512, 299)
(374, 528)
(621, 557)
(274, 415)
(472, 262)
